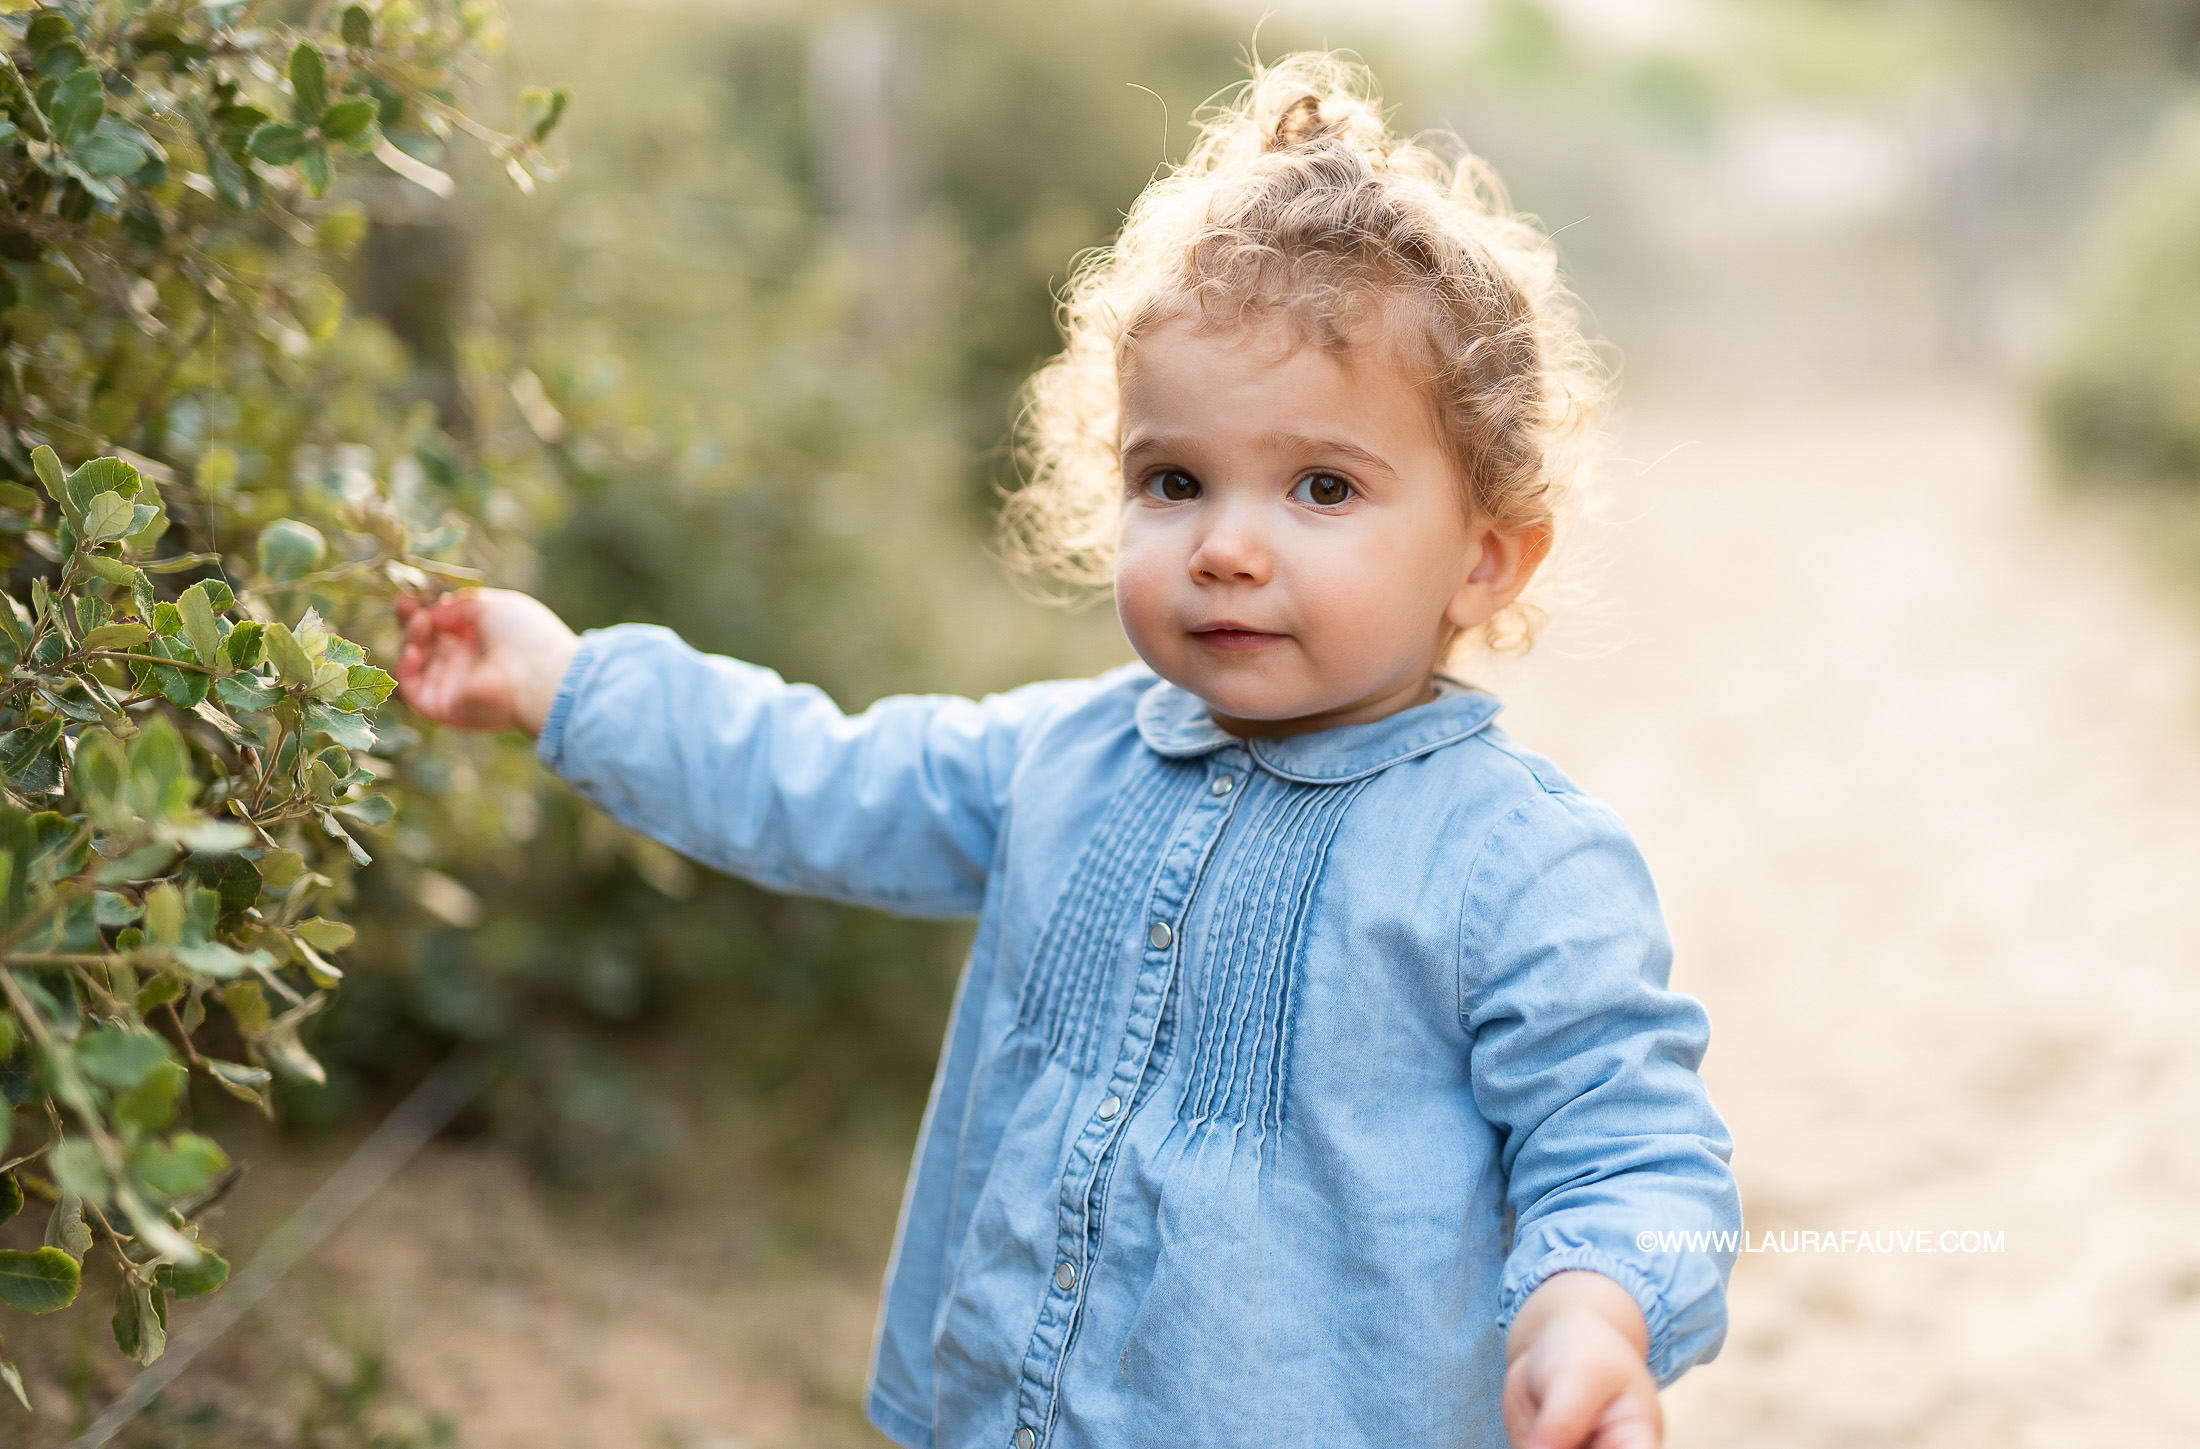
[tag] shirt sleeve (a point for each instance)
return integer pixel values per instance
(1615, 1160)
(899, 807)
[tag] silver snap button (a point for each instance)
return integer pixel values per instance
(1109, 1107)
(1223, 785)
(1065, 1277)
(1160, 935)
(1025, 1439)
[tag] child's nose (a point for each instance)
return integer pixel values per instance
(1229, 553)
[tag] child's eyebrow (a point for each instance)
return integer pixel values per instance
(1299, 443)
(1278, 442)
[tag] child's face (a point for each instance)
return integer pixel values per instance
(1294, 548)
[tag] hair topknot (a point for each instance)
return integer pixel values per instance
(1298, 204)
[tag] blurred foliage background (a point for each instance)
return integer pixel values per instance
(746, 367)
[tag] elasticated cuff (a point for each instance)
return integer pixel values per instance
(550, 743)
(1655, 1314)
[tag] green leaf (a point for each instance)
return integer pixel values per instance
(128, 1328)
(115, 1056)
(180, 1166)
(292, 666)
(42, 1280)
(164, 914)
(159, 991)
(183, 688)
(244, 693)
(48, 465)
(106, 517)
(112, 149)
(284, 1053)
(202, 908)
(78, 1171)
(278, 143)
(239, 1080)
(280, 867)
(212, 958)
(372, 810)
(32, 758)
(243, 644)
(198, 624)
(151, 1104)
(13, 1378)
(101, 475)
(203, 1277)
(78, 103)
(308, 82)
(541, 110)
(117, 636)
(247, 1005)
(365, 687)
(140, 1319)
(219, 594)
(318, 967)
(66, 1228)
(347, 120)
(142, 597)
(348, 730)
(315, 170)
(167, 619)
(289, 549)
(113, 570)
(326, 935)
(336, 831)
(358, 27)
(11, 1196)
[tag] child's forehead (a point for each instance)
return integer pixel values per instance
(1360, 329)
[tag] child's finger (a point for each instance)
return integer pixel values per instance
(1569, 1410)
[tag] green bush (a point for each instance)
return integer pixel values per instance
(2121, 399)
(193, 770)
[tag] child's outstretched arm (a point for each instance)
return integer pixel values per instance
(899, 807)
(1577, 1376)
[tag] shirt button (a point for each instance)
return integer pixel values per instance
(1109, 1107)
(1025, 1439)
(1223, 785)
(1065, 1277)
(1160, 935)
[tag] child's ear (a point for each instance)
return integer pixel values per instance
(1505, 560)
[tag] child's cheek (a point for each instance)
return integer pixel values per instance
(1142, 597)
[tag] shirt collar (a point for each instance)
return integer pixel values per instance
(1176, 723)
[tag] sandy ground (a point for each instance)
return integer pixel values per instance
(1915, 754)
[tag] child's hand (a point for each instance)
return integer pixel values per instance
(483, 659)
(1578, 1378)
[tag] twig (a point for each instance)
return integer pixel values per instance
(417, 1119)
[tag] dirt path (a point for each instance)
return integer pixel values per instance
(1917, 762)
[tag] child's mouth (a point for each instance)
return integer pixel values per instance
(1230, 636)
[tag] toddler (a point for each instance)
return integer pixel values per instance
(1313, 1080)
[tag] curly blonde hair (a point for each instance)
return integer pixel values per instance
(1299, 204)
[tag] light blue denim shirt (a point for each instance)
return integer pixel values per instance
(1280, 1073)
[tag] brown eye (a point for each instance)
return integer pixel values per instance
(1175, 487)
(1325, 489)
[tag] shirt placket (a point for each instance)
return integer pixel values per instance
(1078, 1223)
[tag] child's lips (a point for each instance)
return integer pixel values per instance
(1234, 637)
